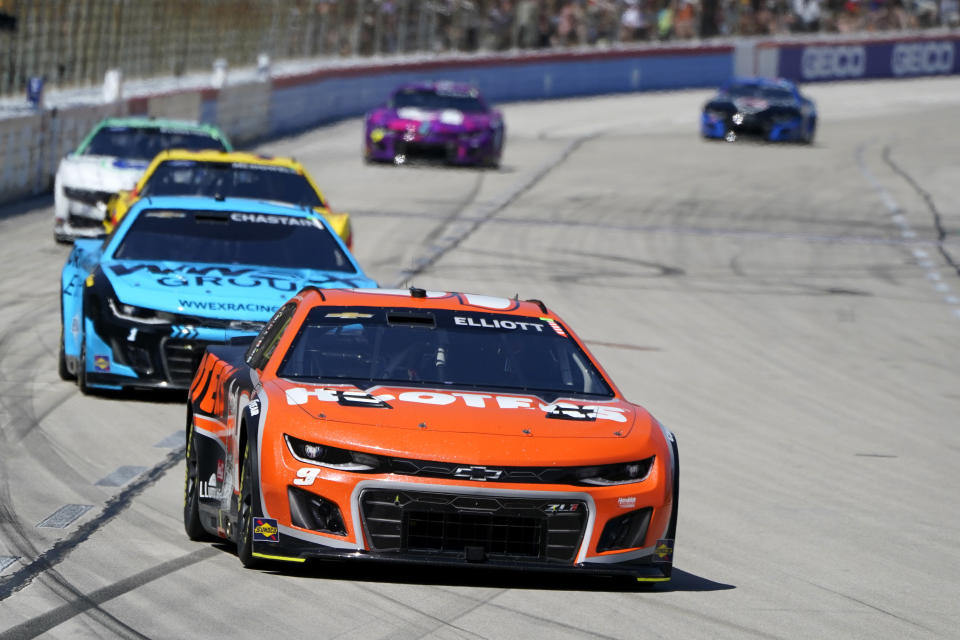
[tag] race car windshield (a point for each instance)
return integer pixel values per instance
(231, 180)
(429, 100)
(757, 91)
(142, 143)
(221, 237)
(368, 346)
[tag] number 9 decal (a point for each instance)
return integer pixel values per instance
(306, 476)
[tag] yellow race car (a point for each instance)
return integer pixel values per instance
(221, 174)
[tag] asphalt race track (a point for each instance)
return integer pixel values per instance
(792, 313)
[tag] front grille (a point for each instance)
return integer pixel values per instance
(453, 532)
(424, 151)
(87, 196)
(83, 222)
(418, 522)
(528, 475)
(181, 358)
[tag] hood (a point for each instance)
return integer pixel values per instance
(100, 173)
(236, 292)
(438, 424)
(446, 119)
(748, 105)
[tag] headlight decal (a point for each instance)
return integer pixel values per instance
(330, 457)
(616, 474)
(140, 315)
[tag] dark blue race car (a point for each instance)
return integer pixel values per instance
(180, 273)
(771, 109)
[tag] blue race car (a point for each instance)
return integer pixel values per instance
(771, 109)
(180, 273)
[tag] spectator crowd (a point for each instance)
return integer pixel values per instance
(470, 25)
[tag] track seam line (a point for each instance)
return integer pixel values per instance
(928, 199)
(898, 216)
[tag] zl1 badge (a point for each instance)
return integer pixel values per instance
(265, 530)
(663, 552)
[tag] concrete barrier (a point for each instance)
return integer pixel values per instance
(181, 105)
(242, 111)
(302, 101)
(18, 149)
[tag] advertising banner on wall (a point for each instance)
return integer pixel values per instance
(851, 60)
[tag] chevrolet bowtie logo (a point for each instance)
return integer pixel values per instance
(477, 473)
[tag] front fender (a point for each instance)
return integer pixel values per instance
(73, 280)
(117, 207)
(340, 223)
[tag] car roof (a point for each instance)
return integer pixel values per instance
(210, 155)
(239, 205)
(164, 123)
(759, 81)
(414, 298)
(442, 86)
(189, 126)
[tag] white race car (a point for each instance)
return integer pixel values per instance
(111, 158)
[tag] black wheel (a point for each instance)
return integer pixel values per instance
(191, 492)
(811, 131)
(82, 367)
(245, 514)
(62, 367)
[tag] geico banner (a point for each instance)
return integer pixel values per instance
(853, 60)
(833, 63)
(922, 58)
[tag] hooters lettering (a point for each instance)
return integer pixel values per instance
(302, 395)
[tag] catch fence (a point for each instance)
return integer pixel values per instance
(72, 43)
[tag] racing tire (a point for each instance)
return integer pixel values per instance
(82, 367)
(811, 131)
(245, 514)
(672, 526)
(62, 367)
(191, 492)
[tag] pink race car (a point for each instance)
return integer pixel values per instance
(442, 121)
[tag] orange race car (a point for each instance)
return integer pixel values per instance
(429, 427)
(234, 174)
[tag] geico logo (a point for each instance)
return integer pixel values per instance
(834, 62)
(921, 58)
